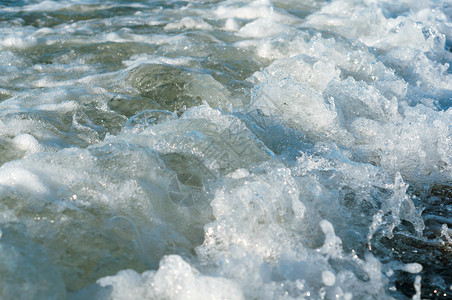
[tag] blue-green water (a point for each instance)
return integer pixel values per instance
(225, 149)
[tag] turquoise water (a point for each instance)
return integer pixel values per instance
(225, 149)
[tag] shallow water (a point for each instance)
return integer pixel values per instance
(225, 149)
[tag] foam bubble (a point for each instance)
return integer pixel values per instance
(46, 5)
(263, 27)
(328, 278)
(16, 176)
(256, 9)
(27, 143)
(413, 268)
(175, 279)
(18, 42)
(190, 23)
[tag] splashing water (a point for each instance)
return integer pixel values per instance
(225, 149)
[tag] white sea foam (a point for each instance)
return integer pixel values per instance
(173, 272)
(243, 149)
(18, 42)
(190, 23)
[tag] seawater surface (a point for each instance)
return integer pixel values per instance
(226, 149)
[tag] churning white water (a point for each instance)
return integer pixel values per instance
(206, 149)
